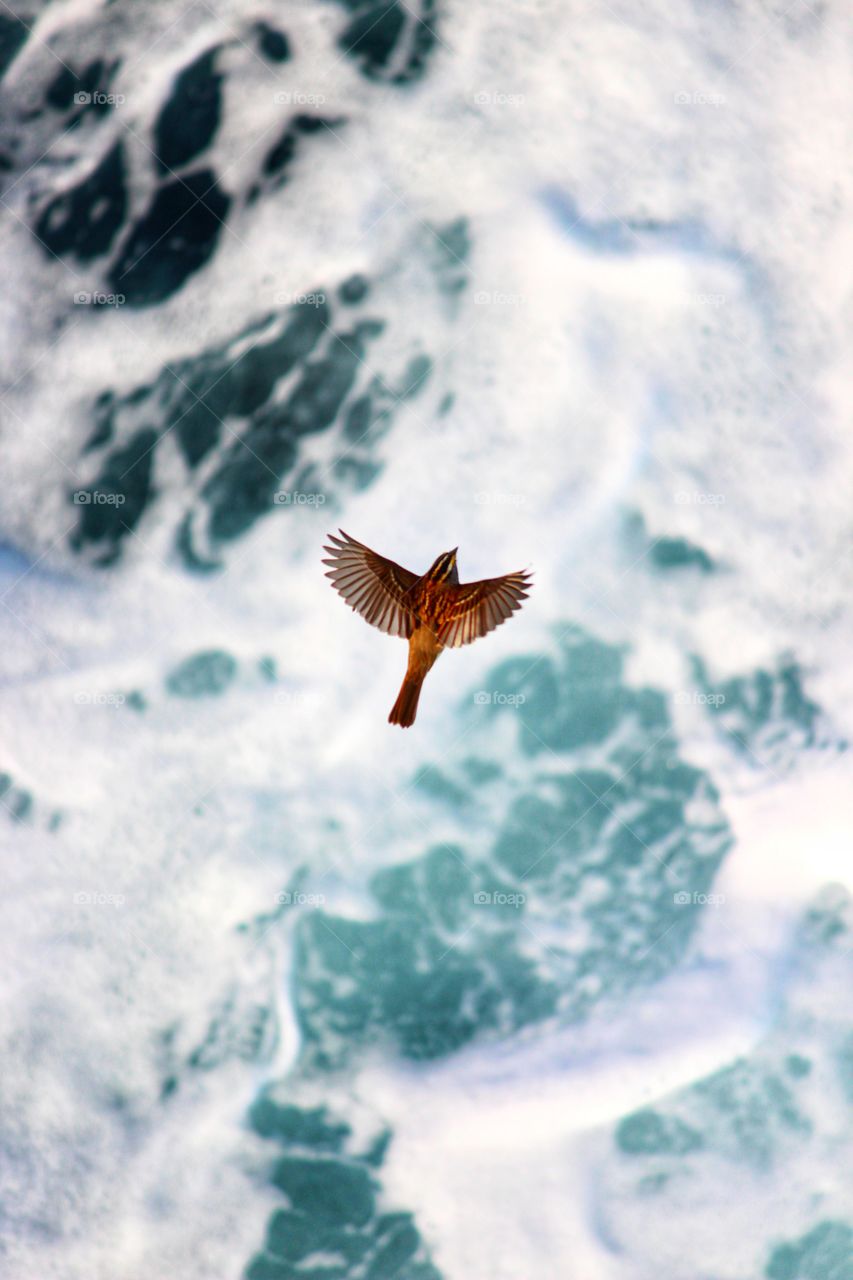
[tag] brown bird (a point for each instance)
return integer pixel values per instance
(432, 611)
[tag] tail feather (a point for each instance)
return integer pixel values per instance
(405, 708)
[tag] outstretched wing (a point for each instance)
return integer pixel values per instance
(375, 587)
(474, 609)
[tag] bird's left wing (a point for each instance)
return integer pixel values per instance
(375, 587)
(475, 608)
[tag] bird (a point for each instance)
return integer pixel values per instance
(433, 611)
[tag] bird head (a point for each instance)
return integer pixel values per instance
(444, 569)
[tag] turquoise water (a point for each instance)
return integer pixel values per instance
(558, 982)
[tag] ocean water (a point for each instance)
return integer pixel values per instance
(559, 982)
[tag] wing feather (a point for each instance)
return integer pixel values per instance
(375, 587)
(476, 608)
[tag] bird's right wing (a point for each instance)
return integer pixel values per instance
(375, 587)
(473, 609)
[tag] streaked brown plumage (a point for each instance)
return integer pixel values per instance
(433, 612)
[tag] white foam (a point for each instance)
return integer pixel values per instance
(593, 381)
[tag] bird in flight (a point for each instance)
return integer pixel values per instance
(432, 611)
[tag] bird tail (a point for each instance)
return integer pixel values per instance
(405, 708)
